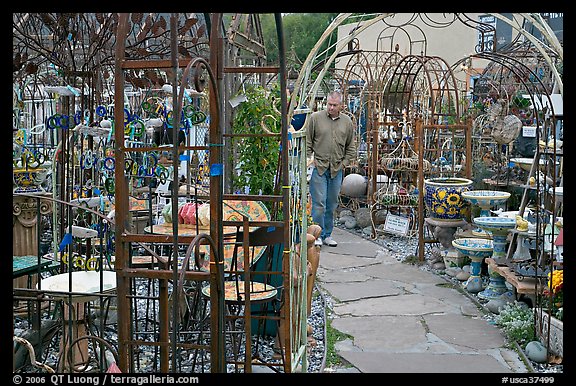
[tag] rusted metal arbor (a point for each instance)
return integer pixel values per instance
(167, 324)
(392, 92)
(219, 303)
(423, 88)
(157, 76)
(425, 91)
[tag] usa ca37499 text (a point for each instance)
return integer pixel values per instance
(523, 380)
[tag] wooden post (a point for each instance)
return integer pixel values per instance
(74, 328)
(313, 256)
(420, 146)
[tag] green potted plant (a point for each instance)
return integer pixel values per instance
(256, 157)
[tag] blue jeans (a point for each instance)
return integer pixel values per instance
(324, 192)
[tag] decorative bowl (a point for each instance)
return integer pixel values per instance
(474, 247)
(526, 163)
(495, 223)
(508, 213)
(486, 198)
(28, 180)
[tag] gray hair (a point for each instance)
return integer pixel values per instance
(336, 94)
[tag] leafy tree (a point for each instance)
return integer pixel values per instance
(301, 32)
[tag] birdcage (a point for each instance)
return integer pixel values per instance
(403, 159)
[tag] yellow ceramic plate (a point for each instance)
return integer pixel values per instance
(258, 291)
(233, 210)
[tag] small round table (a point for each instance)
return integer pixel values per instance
(75, 289)
(190, 230)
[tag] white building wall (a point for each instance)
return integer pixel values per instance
(450, 43)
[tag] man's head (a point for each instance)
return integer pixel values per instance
(334, 104)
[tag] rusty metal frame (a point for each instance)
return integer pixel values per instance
(124, 239)
(215, 239)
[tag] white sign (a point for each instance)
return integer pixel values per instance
(529, 131)
(396, 224)
(487, 33)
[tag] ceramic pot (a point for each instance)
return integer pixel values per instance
(443, 197)
(27, 180)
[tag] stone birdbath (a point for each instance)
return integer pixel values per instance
(486, 200)
(75, 290)
(476, 249)
(498, 227)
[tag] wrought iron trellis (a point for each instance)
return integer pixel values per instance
(521, 71)
(161, 51)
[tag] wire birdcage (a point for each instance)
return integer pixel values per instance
(403, 159)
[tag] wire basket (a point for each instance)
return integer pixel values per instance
(403, 159)
(396, 199)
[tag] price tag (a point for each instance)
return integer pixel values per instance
(397, 224)
(529, 131)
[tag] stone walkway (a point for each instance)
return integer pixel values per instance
(403, 319)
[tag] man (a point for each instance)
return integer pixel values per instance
(330, 140)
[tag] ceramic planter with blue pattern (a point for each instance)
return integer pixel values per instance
(443, 197)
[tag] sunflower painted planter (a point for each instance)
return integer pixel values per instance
(443, 197)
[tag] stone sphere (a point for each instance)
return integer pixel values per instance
(354, 185)
(536, 351)
(106, 124)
